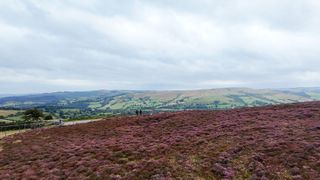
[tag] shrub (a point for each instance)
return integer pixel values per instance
(32, 115)
(48, 117)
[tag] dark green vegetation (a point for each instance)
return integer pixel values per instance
(91, 104)
(32, 115)
(19, 120)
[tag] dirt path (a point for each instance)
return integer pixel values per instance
(80, 122)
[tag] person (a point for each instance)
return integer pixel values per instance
(137, 112)
(140, 112)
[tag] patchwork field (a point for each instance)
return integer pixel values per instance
(273, 142)
(5, 113)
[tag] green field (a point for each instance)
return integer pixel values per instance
(79, 105)
(6, 113)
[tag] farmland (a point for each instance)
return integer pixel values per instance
(8, 116)
(5, 113)
(96, 104)
(271, 142)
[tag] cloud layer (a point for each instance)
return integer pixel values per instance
(140, 44)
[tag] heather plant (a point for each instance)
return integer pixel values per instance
(273, 142)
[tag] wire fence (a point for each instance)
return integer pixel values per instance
(6, 130)
(17, 128)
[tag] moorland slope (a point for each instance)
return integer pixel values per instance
(272, 142)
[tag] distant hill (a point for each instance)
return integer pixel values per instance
(6, 95)
(105, 101)
(55, 99)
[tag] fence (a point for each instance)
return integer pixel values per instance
(13, 129)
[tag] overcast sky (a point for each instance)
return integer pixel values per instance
(52, 45)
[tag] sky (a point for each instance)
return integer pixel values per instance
(77, 45)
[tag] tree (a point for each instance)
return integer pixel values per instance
(32, 115)
(48, 117)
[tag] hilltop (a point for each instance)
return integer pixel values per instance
(271, 142)
(104, 102)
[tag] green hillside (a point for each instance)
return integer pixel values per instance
(103, 102)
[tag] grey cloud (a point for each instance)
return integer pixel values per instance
(81, 45)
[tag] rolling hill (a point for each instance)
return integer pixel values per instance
(102, 102)
(271, 142)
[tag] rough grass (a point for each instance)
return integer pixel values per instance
(8, 133)
(7, 112)
(275, 142)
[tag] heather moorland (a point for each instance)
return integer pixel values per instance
(272, 142)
